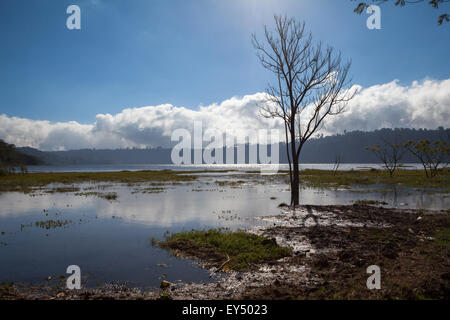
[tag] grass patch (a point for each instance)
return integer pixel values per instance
(410, 178)
(239, 248)
(107, 196)
(24, 182)
(63, 189)
(229, 182)
(148, 190)
(52, 224)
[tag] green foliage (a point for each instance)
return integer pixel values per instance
(432, 155)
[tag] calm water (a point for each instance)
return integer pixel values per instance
(110, 240)
(240, 167)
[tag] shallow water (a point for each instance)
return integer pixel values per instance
(195, 167)
(111, 240)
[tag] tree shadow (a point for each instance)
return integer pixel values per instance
(310, 214)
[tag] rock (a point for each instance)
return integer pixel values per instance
(165, 284)
(410, 230)
(238, 276)
(49, 278)
(419, 218)
(162, 265)
(60, 295)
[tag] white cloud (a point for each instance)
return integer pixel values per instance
(421, 105)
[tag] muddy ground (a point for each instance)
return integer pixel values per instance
(332, 248)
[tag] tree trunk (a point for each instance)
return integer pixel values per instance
(295, 184)
(295, 176)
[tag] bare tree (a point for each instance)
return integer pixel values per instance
(389, 153)
(337, 163)
(311, 84)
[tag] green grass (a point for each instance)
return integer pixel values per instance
(16, 182)
(410, 178)
(242, 248)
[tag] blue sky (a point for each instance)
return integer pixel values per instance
(188, 53)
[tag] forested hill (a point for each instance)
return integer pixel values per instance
(349, 146)
(10, 156)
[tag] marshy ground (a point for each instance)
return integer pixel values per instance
(312, 252)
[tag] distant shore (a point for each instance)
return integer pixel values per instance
(308, 177)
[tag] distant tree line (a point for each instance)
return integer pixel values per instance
(434, 155)
(14, 161)
(349, 147)
(10, 156)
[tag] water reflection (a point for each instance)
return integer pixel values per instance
(110, 240)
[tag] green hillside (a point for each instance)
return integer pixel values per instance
(9, 156)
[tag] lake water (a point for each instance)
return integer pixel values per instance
(111, 240)
(195, 167)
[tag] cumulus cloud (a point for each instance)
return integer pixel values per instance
(423, 104)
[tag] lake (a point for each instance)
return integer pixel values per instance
(43, 232)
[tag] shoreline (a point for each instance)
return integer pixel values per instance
(332, 247)
(308, 177)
